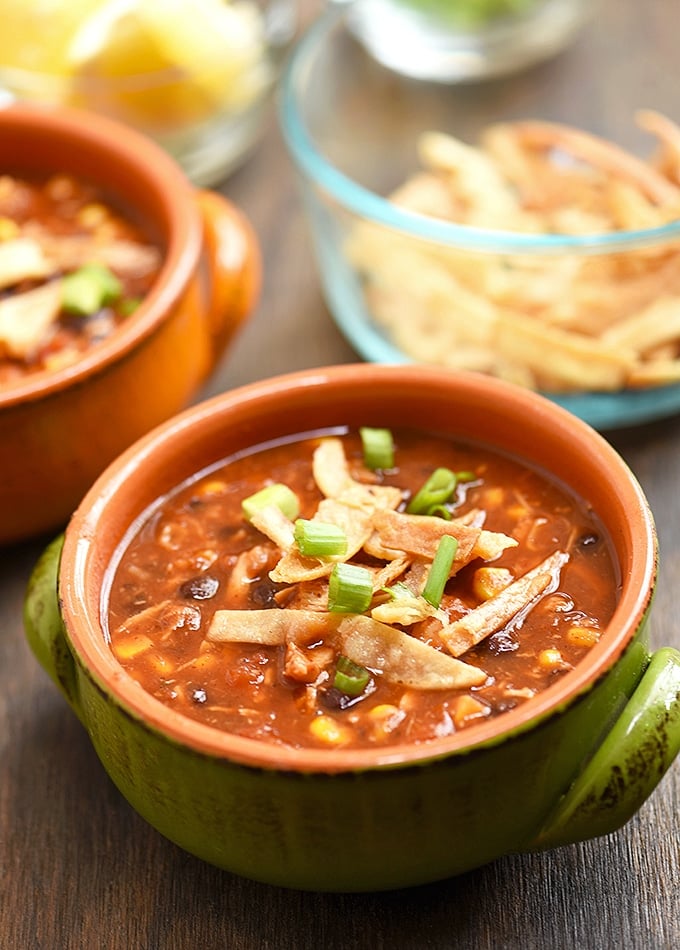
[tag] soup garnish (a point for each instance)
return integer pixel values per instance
(292, 595)
(72, 269)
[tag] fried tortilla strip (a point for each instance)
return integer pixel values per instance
(655, 373)
(600, 154)
(26, 319)
(271, 521)
(668, 133)
(308, 595)
(420, 535)
(402, 658)
(357, 526)
(22, 259)
(572, 360)
(391, 571)
(333, 478)
(656, 324)
(270, 627)
(463, 634)
(427, 194)
(489, 200)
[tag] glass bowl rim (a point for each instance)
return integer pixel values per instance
(367, 204)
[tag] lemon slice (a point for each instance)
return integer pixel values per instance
(164, 63)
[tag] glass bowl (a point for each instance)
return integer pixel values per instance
(461, 40)
(423, 288)
(196, 78)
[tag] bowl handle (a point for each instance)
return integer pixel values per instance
(628, 765)
(44, 627)
(234, 264)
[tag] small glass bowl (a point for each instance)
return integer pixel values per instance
(460, 41)
(209, 121)
(352, 125)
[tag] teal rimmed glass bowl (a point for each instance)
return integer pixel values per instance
(351, 126)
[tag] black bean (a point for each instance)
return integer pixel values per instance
(202, 587)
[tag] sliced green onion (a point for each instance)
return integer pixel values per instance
(350, 678)
(440, 570)
(128, 305)
(466, 476)
(378, 448)
(436, 491)
(440, 511)
(86, 290)
(398, 590)
(280, 495)
(350, 589)
(319, 539)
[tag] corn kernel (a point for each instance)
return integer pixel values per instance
(92, 215)
(551, 659)
(493, 497)
(583, 636)
(489, 581)
(213, 487)
(132, 646)
(468, 708)
(328, 730)
(8, 229)
(161, 665)
(385, 719)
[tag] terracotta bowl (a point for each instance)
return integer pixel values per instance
(58, 430)
(574, 762)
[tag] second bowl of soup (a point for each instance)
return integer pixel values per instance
(365, 627)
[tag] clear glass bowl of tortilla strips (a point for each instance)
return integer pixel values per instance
(519, 229)
(197, 77)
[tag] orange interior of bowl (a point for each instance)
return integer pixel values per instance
(467, 407)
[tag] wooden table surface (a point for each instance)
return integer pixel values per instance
(79, 869)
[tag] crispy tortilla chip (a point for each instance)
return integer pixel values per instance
(270, 627)
(357, 526)
(402, 658)
(271, 521)
(26, 319)
(22, 259)
(494, 613)
(333, 478)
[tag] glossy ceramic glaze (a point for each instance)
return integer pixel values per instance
(575, 762)
(58, 430)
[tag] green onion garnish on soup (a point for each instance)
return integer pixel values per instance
(279, 495)
(378, 446)
(350, 678)
(350, 589)
(440, 570)
(86, 290)
(319, 539)
(436, 491)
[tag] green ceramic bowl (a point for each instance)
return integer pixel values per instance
(573, 763)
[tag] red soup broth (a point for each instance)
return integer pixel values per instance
(50, 230)
(196, 559)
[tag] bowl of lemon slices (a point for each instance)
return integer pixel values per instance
(195, 76)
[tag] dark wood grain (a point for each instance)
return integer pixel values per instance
(80, 870)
